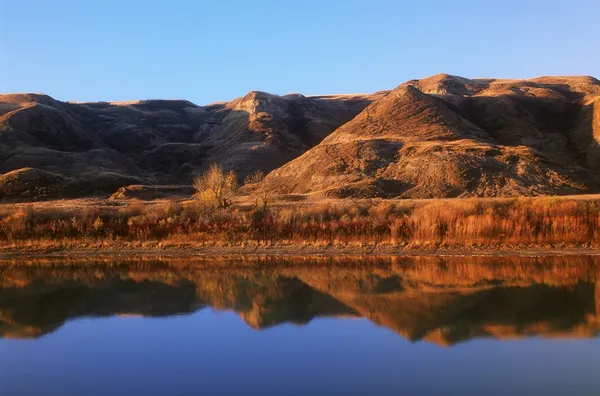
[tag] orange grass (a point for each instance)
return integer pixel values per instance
(531, 222)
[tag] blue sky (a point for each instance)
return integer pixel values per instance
(207, 51)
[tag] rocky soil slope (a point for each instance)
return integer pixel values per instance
(448, 136)
(53, 148)
(442, 136)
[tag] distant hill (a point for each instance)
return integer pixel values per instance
(442, 136)
(50, 148)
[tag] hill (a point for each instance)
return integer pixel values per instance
(442, 136)
(448, 136)
(99, 147)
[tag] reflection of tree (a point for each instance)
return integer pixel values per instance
(441, 300)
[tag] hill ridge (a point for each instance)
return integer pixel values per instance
(501, 139)
(440, 136)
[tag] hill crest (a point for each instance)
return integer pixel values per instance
(440, 136)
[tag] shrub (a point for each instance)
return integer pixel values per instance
(216, 187)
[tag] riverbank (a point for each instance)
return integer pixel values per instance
(397, 227)
(77, 253)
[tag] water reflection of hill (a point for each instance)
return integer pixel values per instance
(440, 300)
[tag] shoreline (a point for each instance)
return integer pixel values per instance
(464, 227)
(288, 251)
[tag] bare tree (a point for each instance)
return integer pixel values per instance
(259, 189)
(254, 179)
(216, 187)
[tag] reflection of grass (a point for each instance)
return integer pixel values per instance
(522, 222)
(331, 273)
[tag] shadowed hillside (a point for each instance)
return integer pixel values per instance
(51, 148)
(441, 300)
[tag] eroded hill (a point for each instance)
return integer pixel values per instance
(52, 148)
(448, 136)
(442, 136)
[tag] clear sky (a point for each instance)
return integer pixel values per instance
(204, 51)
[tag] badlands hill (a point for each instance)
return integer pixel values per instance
(448, 136)
(53, 148)
(442, 136)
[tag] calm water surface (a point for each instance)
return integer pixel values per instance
(427, 326)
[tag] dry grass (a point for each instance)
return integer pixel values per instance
(542, 222)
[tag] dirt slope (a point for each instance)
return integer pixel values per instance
(448, 136)
(99, 147)
(442, 136)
